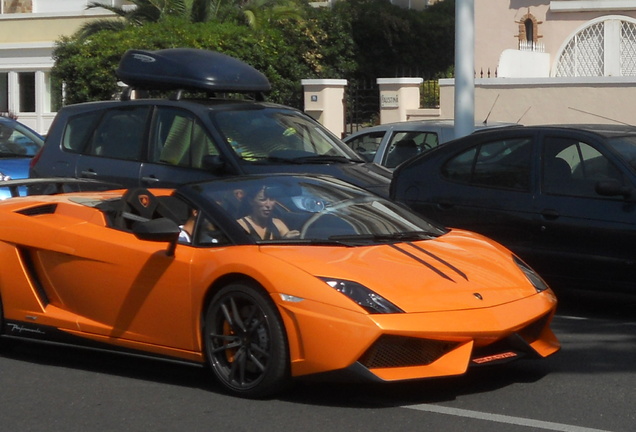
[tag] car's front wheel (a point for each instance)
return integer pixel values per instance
(245, 342)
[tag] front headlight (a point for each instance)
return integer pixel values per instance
(363, 296)
(534, 278)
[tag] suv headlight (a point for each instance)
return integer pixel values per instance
(363, 296)
(534, 278)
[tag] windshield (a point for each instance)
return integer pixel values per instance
(626, 147)
(274, 135)
(17, 140)
(314, 210)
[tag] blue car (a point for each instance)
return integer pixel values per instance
(18, 145)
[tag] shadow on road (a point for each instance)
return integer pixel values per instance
(597, 334)
(480, 380)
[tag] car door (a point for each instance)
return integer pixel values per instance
(487, 187)
(112, 151)
(586, 237)
(119, 287)
(178, 150)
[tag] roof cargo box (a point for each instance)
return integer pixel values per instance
(189, 69)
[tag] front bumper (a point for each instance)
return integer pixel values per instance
(409, 346)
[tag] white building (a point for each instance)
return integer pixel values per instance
(28, 31)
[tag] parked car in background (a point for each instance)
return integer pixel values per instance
(348, 284)
(18, 144)
(562, 197)
(164, 142)
(393, 143)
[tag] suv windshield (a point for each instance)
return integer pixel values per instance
(263, 135)
(314, 210)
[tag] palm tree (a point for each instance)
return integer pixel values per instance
(253, 12)
(145, 11)
(256, 12)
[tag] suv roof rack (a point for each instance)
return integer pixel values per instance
(189, 69)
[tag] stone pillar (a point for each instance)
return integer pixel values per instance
(397, 95)
(325, 102)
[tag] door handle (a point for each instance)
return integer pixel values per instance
(445, 205)
(550, 214)
(149, 180)
(88, 173)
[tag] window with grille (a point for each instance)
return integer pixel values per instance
(602, 48)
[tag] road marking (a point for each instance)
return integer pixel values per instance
(498, 418)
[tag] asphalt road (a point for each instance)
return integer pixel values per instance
(589, 386)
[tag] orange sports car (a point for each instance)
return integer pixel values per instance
(267, 279)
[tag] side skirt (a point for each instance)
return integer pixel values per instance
(54, 336)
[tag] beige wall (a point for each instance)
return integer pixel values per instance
(547, 100)
(39, 29)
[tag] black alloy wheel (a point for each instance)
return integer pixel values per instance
(245, 342)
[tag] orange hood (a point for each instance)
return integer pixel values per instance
(457, 271)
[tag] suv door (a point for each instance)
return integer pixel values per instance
(112, 152)
(179, 149)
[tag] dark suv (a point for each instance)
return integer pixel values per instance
(170, 141)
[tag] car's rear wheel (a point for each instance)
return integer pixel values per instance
(245, 342)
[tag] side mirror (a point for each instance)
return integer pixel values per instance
(159, 230)
(613, 187)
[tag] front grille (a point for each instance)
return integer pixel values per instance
(399, 351)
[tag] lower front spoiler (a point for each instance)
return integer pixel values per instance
(455, 362)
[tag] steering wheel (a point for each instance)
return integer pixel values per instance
(329, 210)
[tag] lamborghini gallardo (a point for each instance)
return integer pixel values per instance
(266, 280)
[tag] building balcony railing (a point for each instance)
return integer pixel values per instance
(525, 45)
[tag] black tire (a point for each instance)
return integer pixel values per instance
(245, 342)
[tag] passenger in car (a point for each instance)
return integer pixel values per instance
(187, 228)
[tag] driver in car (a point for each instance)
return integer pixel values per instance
(259, 220)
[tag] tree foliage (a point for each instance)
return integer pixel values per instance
(395, 42)
(284, 53)
(285, 39)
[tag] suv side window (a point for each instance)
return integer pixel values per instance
(79, 131)
(500, 164)
(118, 133)
(180, 139)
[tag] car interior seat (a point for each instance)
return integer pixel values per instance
(402, 150)
(140, 205)
(177, 142)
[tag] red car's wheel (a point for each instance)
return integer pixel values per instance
(245, 342)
